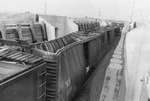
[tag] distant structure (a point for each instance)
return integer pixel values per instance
(58, 25)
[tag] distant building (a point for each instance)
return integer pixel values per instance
(58, 26)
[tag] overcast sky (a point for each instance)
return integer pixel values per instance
(112, 9)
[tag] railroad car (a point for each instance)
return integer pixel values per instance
(22, 76)
(65, 68)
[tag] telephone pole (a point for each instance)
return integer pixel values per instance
(45, 7)
(100, 13)
(132, 10)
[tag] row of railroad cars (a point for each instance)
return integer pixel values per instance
(72, 61)
(36, 32)
(69, 60)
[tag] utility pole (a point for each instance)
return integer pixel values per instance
(132, 10)
(45, 7)
(99, 13)
(100, 17)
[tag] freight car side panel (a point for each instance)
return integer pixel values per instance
(93, 51)
(21, 90)
(27, 86)
(72, 71)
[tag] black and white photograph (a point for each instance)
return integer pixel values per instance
(74, 50)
